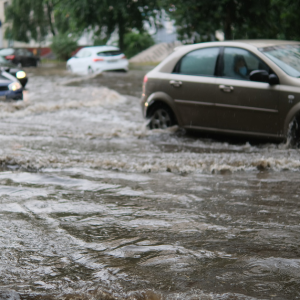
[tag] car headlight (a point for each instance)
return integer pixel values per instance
(21, 74)
(14, 86)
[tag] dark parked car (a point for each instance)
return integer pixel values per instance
(10, 68)
(248, 88)
(20, 57)
(10, 87)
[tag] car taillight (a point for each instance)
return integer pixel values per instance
(98, 59)
(10, 57)
(144, 85)
(123, 57)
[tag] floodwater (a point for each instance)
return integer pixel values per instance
(96, 206)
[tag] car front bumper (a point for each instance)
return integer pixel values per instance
(11, 95)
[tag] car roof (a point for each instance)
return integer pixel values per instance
(101, 48)
(265, 43)
(248, 44)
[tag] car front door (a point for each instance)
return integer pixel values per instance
(243, 105)
(76, 61)
(192, 86)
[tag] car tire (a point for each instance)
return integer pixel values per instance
(90, 71)
(161, 117)
(294, 132)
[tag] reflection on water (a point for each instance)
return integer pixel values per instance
(95, 206)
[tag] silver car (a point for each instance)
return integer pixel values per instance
(248, 88)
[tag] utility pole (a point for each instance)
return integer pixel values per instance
(1, 36)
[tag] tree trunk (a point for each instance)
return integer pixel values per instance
(49, 13)
(121, 31)
(228, 23)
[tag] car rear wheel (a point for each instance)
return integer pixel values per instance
(161, 117)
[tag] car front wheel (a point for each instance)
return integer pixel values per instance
(294, 132)
(161, 118)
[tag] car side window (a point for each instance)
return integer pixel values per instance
(201, 62)
(79, 54)
(28, 53)
(239, 63)
(18, 52)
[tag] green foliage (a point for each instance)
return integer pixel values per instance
(136, 42)
(35, 19)
(63, 46)
(107, 15)
(27, 23)
(238, 19)
(100, 41)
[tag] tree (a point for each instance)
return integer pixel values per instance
(199, 19)
(134, 43)
(107, 15)
(34, 19)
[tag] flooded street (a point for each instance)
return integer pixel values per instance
(96, 206)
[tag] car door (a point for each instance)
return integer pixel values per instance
(192, 85)
(86, 61)
(241, 104)
(31, 60)
(76, 61)
(19, 59)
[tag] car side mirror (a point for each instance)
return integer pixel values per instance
(259, 75)
(273, 79)
(264, 76)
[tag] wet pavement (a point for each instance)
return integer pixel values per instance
(96, 206)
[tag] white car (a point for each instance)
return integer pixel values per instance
(96, 59)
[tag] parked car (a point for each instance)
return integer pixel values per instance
(96, 59)
(10, 87)
(248, 88)
(20, 57)
(10, 68)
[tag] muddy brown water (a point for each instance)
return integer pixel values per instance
(95, 206)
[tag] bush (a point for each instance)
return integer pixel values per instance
(134, 43)
(63, 46)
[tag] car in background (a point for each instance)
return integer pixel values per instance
(96, 59)
(20, 57)
(246, 88)
(10, 87)
(10, 68)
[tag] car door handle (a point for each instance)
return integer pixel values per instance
(226, 88)
(176, 83)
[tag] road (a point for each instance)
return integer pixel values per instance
(96, 206)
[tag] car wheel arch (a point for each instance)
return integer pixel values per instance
(292, 114)
(161, 98)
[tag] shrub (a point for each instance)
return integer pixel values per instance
(134, 43)
(63, 46)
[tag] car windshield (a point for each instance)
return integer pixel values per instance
(287, 57)
(7, 51)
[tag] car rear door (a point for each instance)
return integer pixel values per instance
(192, 86)
(243, 105)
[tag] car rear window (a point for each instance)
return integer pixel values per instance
(109, 53)
(7, 51)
